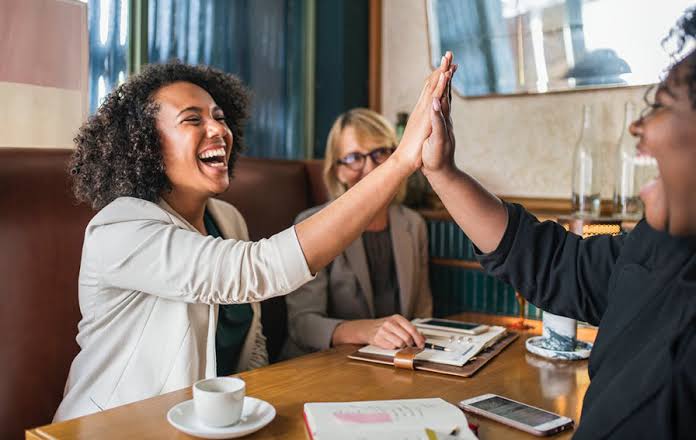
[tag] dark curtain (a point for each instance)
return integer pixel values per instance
(259, 40)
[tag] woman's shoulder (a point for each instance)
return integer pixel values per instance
(126, 209)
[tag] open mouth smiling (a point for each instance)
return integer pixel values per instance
(214, 157)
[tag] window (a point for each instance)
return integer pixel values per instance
(261, 41)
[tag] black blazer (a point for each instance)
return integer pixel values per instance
(640, 289)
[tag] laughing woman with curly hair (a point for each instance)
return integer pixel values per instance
(169, 284)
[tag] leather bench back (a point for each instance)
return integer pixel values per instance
(41, 233)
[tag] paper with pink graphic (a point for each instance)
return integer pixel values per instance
(405, 419)
(358, 417)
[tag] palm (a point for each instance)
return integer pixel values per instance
(419, 127)
(438, 149)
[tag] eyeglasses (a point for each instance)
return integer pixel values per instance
(356, 161)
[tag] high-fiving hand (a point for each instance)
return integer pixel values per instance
(419, 125)
(438, 151)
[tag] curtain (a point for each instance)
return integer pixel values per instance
(107, 23)
(258, 40)
(261, 41)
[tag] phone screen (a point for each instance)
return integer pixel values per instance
(460, 325)
(514, 411)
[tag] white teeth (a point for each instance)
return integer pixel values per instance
(212, 153)
(645, 160)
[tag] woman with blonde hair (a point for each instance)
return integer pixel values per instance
(370, 291)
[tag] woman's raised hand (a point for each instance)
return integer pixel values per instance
(438, 151)
(418, 128)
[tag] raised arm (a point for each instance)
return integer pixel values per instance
(555, 270)
(480, 214)
(324, 235)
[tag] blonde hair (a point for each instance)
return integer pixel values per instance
(368, 124)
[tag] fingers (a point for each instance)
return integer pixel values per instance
(433, 79)
(438, 135)
(416, 336)
(406, 330)
(388, 340)
(398, 332)
(446, 100)
(440, 86)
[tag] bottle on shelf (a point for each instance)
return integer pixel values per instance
(401, 120)
(587, 169)
(632, 172)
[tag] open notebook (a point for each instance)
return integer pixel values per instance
(406, 419)
(463, 347)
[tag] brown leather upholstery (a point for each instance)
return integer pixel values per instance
(41, 232)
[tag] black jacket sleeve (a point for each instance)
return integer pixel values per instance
(555, 270)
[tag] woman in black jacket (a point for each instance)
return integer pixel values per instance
(639, 288)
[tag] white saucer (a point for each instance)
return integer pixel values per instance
(256, 414)
(536, 345)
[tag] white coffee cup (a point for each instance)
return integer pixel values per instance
(559, 332)
(219, 401)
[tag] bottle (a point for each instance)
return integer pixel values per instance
(587, 169)
(417, 186)
(401, 120)
(626, 201)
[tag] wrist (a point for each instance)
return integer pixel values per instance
(402, 164)
(442, 173)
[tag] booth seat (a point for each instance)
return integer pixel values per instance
(41, 233)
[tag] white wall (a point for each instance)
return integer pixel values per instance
(516, 146)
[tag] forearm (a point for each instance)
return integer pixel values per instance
(350, 332)
(325, 234)
(480, 214)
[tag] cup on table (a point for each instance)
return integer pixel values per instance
(219, 401)
(559, 332)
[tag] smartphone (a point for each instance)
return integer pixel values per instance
(470, 328)
(516, 414)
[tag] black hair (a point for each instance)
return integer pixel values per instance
(682, 34)
(118, 149)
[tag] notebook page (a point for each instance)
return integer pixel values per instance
(384, 419)
(463, 347)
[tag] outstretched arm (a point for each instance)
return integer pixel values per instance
(480, 214)
(325, 234)
(555, 270)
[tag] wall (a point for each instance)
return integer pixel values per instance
(516, 146)
(43, 72)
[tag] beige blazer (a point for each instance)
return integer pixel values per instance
(343, 291)
(149, 286)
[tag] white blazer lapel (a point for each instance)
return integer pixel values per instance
(402, 245)
(176, 218)
(355, 254)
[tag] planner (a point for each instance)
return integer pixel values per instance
(468, 354)
(404, 419)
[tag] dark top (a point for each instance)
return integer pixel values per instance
(380, 262)
(233, 323)
(640, 289)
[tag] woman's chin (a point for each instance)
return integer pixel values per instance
(653, 196)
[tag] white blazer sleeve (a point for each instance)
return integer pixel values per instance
(160, 258)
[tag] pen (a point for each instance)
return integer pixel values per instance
(432, 346)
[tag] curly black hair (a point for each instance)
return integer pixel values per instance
(118, 149)
(682, 35)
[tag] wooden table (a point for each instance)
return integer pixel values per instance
(330, 376)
